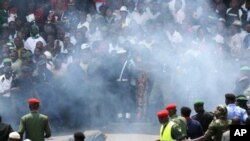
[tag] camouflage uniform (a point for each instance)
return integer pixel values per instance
(218, 126)
(181, 122)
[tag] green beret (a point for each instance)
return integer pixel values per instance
(245, 68)
(6, 60)
(198, 103)
(241, 98)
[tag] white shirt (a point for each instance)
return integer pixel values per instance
(140, 19)
(151, 15)
(85, 24)
(218, 38)
(180, 14)
(5, 84)
(30, 43)
(175, 37)
(235, 44)
(126, 23)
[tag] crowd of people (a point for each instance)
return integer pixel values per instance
(95, 61)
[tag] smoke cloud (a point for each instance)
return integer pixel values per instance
(178, 47)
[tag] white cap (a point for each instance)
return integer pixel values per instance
(124, 8)
(14, 135)
(48, 54)
(27, 140)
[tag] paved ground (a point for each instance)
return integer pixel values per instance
(117, 132)
(114, 137)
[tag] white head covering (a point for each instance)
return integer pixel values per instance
(14, 135)
(124, 8)
(48, 54)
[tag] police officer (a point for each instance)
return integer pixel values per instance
(234, 110)
(35, 125)
(204, 117)
(169, 131)
(241, 101)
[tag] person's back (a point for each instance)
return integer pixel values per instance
(5, 130)
(233, 109)
(205, 118)
(181, 121)
(194, 128)
(34, 125)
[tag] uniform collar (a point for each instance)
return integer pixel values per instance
(231, 105)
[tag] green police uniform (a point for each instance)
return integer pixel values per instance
(35, 126)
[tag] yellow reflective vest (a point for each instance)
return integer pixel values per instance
(165, 133)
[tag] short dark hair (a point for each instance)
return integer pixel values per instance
(79, 136)
(230, 96)
(34, 106)
(185, 111)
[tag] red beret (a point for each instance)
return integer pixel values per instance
(33, 101)
(162, 114)
(170, 106)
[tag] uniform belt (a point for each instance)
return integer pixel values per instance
(122, 80)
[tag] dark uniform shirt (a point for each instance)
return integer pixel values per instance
(205, 119)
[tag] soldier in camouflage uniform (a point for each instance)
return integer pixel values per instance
(218, 126)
